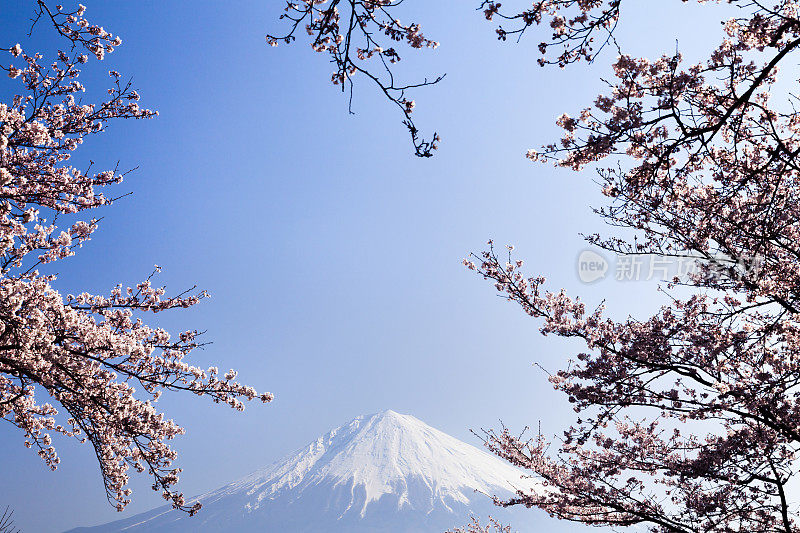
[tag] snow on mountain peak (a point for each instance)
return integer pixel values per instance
(384, 453)
(385, 468)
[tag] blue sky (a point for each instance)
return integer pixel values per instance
(333, 256)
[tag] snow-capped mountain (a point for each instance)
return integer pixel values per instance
(386, 472)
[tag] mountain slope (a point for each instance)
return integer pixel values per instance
(380, 473)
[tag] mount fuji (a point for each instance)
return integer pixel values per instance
(381, 473)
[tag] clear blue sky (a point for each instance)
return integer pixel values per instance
(333, 256)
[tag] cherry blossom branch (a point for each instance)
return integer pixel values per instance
(574, 23)
(716, 387)
(351, 33)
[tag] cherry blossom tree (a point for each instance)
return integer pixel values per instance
(686, 421)
(85, 365)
